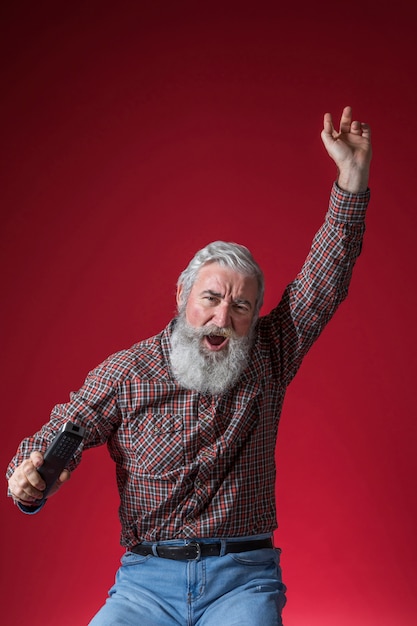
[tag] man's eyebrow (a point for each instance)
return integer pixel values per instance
(210, 292)
(215, 294)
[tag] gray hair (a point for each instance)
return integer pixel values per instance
(226, 254)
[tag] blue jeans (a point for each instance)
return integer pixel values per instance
(237, 589)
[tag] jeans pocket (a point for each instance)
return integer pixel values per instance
(264, 556)
(131, 558)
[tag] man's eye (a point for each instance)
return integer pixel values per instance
(242, 308)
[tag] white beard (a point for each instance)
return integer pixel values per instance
(198, 368)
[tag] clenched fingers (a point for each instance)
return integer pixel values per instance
(26, 484)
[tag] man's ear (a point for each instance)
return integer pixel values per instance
(180, 291)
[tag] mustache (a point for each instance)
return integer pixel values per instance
(211, 329)
(214, 330)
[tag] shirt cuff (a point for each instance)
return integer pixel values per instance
(348, 207)
(31, 510)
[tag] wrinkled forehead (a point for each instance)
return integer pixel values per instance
(226, 281)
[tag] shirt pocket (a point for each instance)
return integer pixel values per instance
(157, 440)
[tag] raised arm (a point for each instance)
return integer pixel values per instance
(312, 298)
(350, 148)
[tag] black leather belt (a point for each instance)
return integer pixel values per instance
(194, 550)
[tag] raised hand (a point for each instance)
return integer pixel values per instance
(350, 148)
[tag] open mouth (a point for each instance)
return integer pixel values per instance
(216, 342)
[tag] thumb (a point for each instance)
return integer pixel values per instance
(328, 141)
(64, 476)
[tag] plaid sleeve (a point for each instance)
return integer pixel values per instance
(312, 298)
(93, 406)
(347, 207)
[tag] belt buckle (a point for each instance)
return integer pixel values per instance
(196, 545)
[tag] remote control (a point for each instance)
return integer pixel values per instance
(59, 453)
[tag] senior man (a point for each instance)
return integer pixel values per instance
(190, 418)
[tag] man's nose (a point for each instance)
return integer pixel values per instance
(222, 317)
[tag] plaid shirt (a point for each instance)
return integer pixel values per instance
(194, 465)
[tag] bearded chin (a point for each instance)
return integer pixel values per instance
(200, 369)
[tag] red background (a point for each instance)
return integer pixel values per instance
(135, 133)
